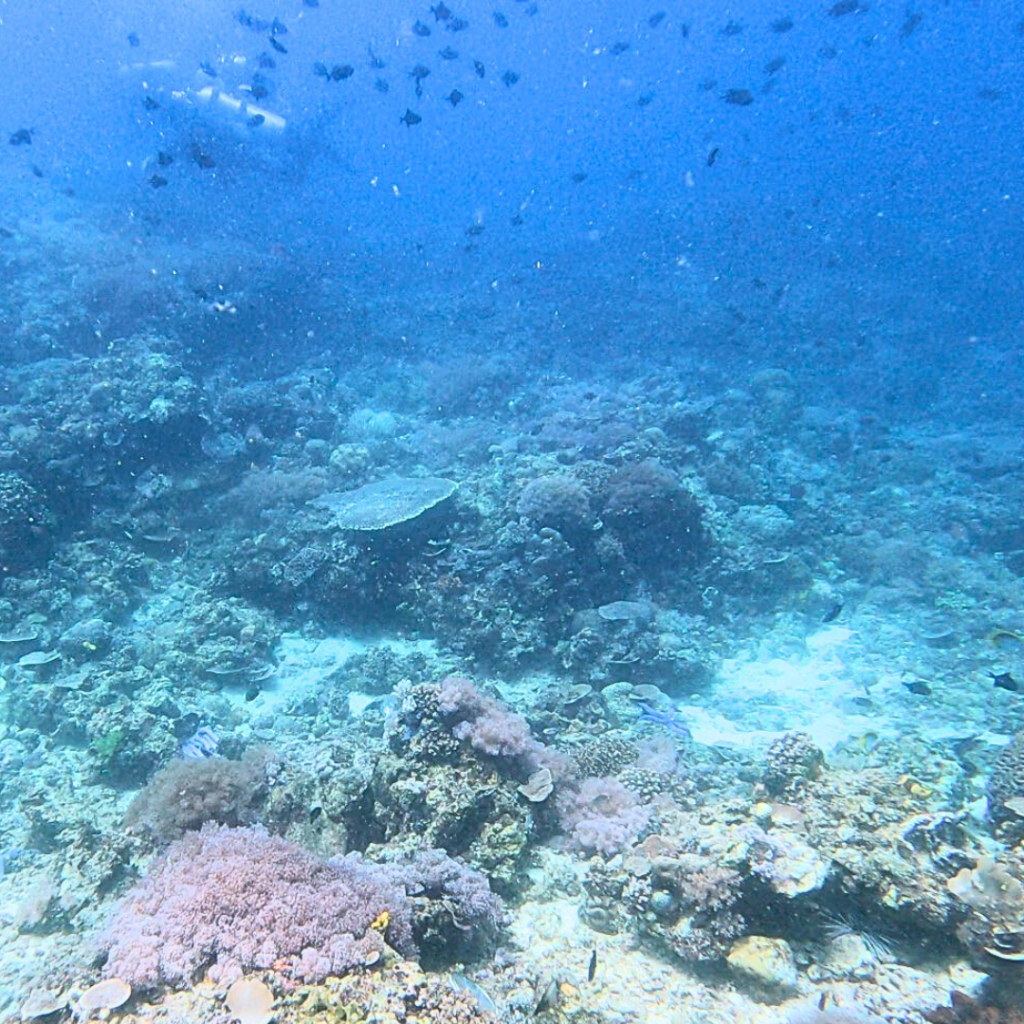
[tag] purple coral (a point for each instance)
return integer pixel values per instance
(493, 728)
(238, 899)
(602, 815)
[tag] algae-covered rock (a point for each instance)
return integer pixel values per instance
(767, 963)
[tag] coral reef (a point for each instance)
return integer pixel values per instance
(233, 900)
(187, 794)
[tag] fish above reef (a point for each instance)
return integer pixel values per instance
(910, 25)
(738, 97)
(479, 69)
(208, 69)
(133, 39)
(276, 45)
(732, 28)
(455, 97)
(375, 61)
(775, 65)
(22, 137)
(201, 744)
(164, 159)
(157, 180)
(781, 25)
(341, 71)
(419, 29)
(619, 48)
(410, 117)
(500, 20)
(256, 120)
(918, 687)
(843, 7)
(201, 159)
(448, 54)
(381, 85)
(457, 25)
(149, 103)
(656, 19)
(510, 78)
(440, 12)
(1004, 681)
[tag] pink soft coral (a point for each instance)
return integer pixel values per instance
(238, 899)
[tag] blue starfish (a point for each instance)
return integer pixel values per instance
(670, 719)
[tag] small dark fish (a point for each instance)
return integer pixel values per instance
(1004, 681)
(531, 10)
(320, 68)
(738, 97)
(6, 233)
(375, 61)
(201, 159)
(645, 99)
(918, 687)
(409, 118)
(256, 120)
(448, 54)
(479, 69)
(36, 170)
(457, 25)
(342, 71)
(267, 62)
(250, 21)
(150, 104)
(133, 39)
(835, 610)
(684, 30)
(440, 12)
(708, 84)
(500, 20)
(988, 93)
(579, 177)
(592, 966)
(419, 29)
(22, 137)
(656, 19)
(733, 28)
(775, 65)
(381, 86)
(713, 156)
(157, 180)
(419, 72)
(475, 230)
(164, 159)
(259, 92)
(781, 25)
(278, 28)
(619, 48)
(276, 45)
(310, 3)
(908, 27)
(510, 78)
(208, 69)
(516, 220)
(843, 7)
(455, 97)
(828, 53)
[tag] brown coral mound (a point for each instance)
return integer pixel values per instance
(965, 1010)
(1007, 779)
(188, 793)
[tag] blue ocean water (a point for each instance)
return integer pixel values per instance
(511, 511)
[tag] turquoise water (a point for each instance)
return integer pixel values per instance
(511, 513)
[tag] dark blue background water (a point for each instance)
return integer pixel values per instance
(865, 206)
